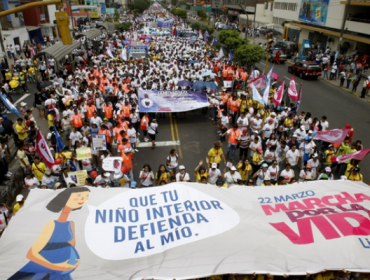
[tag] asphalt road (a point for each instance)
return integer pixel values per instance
(196, 133)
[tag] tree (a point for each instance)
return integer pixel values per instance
(195, 26)
(173, 2)
(180, 13)
(234, 43)
(124, 26)
(225, 34)
(249, 54)
(139, 5)
(202, 14)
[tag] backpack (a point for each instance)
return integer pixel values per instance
(53, 139)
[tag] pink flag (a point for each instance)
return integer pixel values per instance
(332, 136)
(43, 150)
(292, 90)
(359, 155)
(278, 96)
(259, 82)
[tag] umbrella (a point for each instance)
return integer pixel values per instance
(211, 85)
(184, 83)
(193, 61)
(199, 85)
(275, 76)
(208, 73)
(186, 55)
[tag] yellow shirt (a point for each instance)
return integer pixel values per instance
(198, 176)
(164, 176)
(215, 155)
(324, 276)
(288, 122)
(257, 158)
(51, 120)
(21, 130)
(39, 170)
(328, 155)
(16, 208)
(22, 155)
(67, 155)
(243, 105)
(244, 173)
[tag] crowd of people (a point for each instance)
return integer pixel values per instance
(258, 145)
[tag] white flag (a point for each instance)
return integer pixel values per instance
(266, 92)
(109, 52)
(220, 54)
(200, 35)
(124, 54)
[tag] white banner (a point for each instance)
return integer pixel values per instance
(187, 231)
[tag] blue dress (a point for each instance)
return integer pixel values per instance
(57, 250)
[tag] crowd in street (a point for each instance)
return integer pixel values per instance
(256, 145)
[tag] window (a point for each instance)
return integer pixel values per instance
(271, 7)
(285, 6)
(266, 5)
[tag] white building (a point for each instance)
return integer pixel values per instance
(321, 21)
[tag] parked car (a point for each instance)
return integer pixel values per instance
(273, 31)
(288, 47)
(305, 69)
(272, 56)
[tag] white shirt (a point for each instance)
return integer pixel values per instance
(32, 183)
(75, 136)
(232, 179)
(182, 177)
(96, 120)
(324, 125)
(289, 173)
(146, 181)
(272, 172)
(213, 175)
(268, 130)
(292, 157)
(131, 133)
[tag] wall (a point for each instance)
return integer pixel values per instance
(51, 10)
(286, 14)
(358, 27)
(20, 32)
(16, 19)
(32, 16)
(335, 15)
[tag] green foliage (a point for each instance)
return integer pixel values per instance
(182, 2)
(116, 16)
(139, 5)
(249, 55)
(202, 14)
(227, 34)
(173, 2)
(209, 29)
(195, 26)
(234, 43)
(180, 13)
(124, 26)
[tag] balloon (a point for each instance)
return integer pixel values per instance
(124, 169)
(58, 161)
(94, 174)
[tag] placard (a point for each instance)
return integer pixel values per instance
(78, 177)
(83, 153)
(99, 142)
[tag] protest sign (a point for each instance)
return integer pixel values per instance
(99, 142)
(83, 153)
(78, 177)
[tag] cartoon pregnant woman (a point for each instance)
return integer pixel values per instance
(53, 256)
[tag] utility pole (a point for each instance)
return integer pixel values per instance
(343, 24)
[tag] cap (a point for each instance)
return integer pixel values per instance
(23, 104)
(267, 178)
(327, 169)
(47, 172)
(28, 172)
(255, 131)
(295, 135)
(264, 165)
(258, 115)
(273, 114)
(259, 149)
(105, 119)
(270, 120)
(309, 165)
(315, 155)
(19, 198)
(330, 146)
(307, 138)
(233, 168)
(343, 177)
(214, 165)
(347, 126)
(212, 94)
(302, 127)
(65, 114)
(102, 181)
(324, 176)
(181, 167)
(106, 174)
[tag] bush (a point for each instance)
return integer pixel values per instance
(249, 55)
(139, 5)
(180, 13)
(209, 29)
(226, 34)
(195, 26)
(123, 26)
(202, 14)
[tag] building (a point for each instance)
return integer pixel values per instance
(235, 8)
(321, 21)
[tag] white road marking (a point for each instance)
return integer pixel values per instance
(20, 99)
(158, 144)
(286, 77)
(262, 63)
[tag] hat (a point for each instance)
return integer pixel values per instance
(309, 165)
(214, 165)
(315, 155)
(343, 177)
(102, 181)
(273, 114)
(295, 135)
(65, 114)
(28, 172)
(5, 117)
(105, 119)
(70, 77)
(23, 104)
(212, 94)
(258, 115)
(233, 168)
(327, 169)
(259, 149)
(181, 167)
(47, 172)
(264, 165)
(19, 198)
(271, 120)
(106, 174)
(302, 127)
(348, 126)
(310, 131)
(307, 138)
(267, 178)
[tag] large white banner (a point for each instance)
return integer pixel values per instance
(187, 230)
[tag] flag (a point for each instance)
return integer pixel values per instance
(266, 92)
(124, 54)
(60, 144)
(206, 35)
(213, 41)
(259, 82)
(332, 136)
(278, 96)
(256, 95)
(43, 150)
(299, 98)
(175, 31)
(220, 54)
(252, 74)
(292, 90)
(9, 105)
(109, 52)
(359, 155)
(268, 77)
(230, 58)
(195, 31)
(200, 35)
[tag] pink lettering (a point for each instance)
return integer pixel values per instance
(312, 202)
(340, 220)
(278, 208)
(343, 199)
